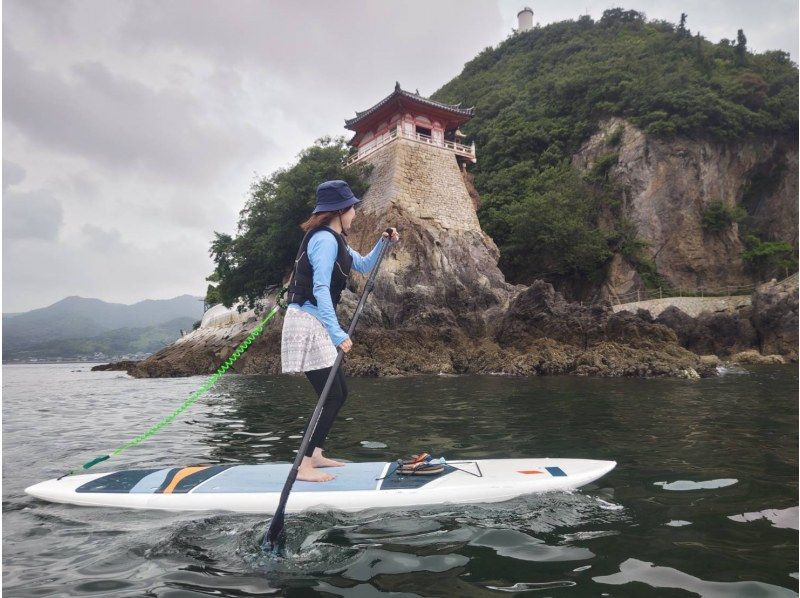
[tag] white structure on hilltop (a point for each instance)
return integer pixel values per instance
(525, 19)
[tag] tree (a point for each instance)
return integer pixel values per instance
(682, 25)
(618, 16)
(741, 47)
(768, 259)
(261, 254)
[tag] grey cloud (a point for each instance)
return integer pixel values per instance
(332, 45)
(34, 214)
(13, 174)
(103, 240)
(37, 272)
(121, 122)
(322, 60)
(55, 17)
(82, 187)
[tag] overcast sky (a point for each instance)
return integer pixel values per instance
(132, 130)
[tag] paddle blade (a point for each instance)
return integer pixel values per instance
(274, 532)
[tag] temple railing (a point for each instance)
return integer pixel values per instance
(468, 151)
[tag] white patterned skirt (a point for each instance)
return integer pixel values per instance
(305, 344)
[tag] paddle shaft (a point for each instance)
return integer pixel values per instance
(276, 524)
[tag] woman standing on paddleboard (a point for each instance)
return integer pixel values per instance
(311, 331)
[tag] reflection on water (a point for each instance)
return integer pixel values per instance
(704, 499)
(682, 485)
(786, 518)
(667, 577)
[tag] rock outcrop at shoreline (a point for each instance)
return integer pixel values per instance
(775, 317)
(453, 319)
(539, 334)
(763, 332)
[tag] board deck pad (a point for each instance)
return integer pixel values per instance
(356, 486)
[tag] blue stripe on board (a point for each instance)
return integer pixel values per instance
(150, 483)
(556, 472)
(119, 482)
(270, 477)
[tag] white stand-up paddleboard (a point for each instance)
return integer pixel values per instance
(357, 486)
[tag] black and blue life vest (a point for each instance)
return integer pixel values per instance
(301, 286)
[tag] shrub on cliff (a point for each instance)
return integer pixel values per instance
(718, 216)
(768, 259)
(260, 255)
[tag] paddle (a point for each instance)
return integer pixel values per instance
(275, 528)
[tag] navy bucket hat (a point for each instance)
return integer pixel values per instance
(334, 195)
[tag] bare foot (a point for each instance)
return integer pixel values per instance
(309, 474)
(317, 460)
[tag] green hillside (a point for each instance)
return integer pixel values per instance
(81, 317)
(113, 343)
(540, 94)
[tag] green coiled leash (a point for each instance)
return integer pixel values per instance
(279, 303)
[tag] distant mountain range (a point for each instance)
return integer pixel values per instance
(81, 328)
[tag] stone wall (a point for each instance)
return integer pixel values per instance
(424, 180)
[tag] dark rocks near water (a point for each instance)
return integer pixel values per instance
(775, 317)
(122, 366)
(540, 333)
(767, 328)
(720, 333)
(540, 312)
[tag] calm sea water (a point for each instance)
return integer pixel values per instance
(704, 500)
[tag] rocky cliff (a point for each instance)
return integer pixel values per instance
(666, 187)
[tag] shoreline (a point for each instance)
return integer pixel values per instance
(64, 361)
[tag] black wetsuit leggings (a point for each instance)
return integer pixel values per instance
(336, 398)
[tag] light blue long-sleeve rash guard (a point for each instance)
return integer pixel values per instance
(322, 252)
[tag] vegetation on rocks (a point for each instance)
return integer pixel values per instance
(718, 217)
(769, 258)
(442, 305)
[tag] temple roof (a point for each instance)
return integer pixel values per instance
(398, 97)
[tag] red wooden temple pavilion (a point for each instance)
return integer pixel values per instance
(407, 115)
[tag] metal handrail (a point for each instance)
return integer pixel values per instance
(700, 291)
(672, 293)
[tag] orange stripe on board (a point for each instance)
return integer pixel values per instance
(529, 471)
(186, 471)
